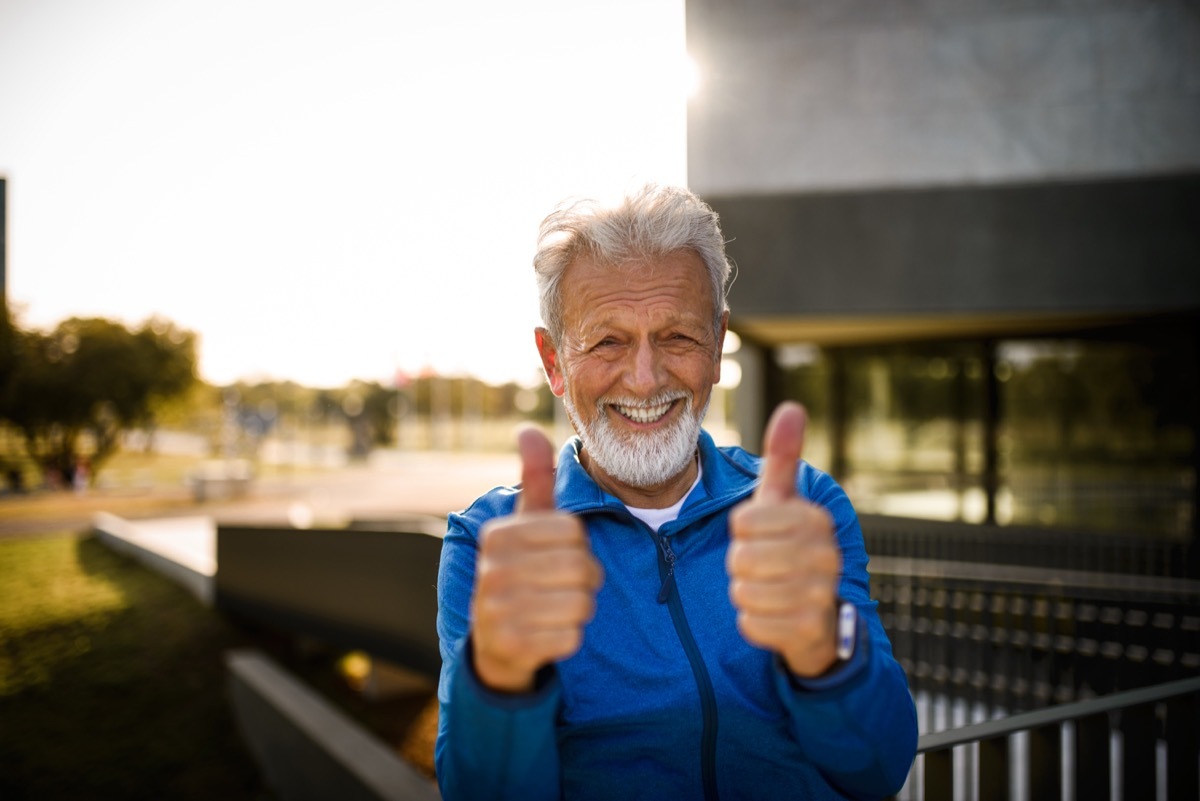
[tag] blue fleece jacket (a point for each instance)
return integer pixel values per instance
(665, 700)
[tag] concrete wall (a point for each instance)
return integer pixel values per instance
(306, 748)
(372, 590)
(179, 548)
(804, 95)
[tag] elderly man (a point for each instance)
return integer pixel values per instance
(659, 618)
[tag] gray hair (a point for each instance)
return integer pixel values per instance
(651, 222)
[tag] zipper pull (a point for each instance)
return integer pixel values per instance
(669, 581)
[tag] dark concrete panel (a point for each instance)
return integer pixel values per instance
(1116, 246)
(373, 590)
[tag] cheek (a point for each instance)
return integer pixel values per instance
(596, 376)
(700, 374)
(586, 382)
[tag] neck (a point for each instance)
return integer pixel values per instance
(657, 496)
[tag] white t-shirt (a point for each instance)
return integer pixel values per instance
(657, 518)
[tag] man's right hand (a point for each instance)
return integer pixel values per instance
(535, 580)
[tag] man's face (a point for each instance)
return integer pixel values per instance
(637, 362)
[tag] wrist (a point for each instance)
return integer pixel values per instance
(498, 676)
(834, 650)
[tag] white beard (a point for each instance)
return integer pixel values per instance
(640, 460)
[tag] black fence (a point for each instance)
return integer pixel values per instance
(971, 617)
(1023, 546)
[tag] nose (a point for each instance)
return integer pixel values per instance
(645, 376)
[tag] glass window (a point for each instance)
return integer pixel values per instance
(1094, 436)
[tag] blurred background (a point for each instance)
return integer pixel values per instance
(271, 261)
(325, 216)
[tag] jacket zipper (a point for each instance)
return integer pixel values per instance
(708, 700)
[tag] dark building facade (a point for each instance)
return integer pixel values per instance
(968, 238)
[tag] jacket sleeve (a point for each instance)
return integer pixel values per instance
(857, 725)
(489, 745)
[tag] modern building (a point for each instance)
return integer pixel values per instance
(968, 238)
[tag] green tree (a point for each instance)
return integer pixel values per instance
(379, 408)
(88, 381)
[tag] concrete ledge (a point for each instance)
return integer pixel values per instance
(182, 549)
(306, 748)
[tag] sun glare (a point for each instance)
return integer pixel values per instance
(332, 191)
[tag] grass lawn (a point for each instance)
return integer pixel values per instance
(113, 685)
(111, 681)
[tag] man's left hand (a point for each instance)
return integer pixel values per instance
(783, 562)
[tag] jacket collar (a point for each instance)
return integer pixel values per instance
(730, 474)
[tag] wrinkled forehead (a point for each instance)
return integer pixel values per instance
(676, 280)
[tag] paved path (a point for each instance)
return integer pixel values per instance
(391, 484)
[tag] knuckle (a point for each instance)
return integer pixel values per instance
(739, 517)
(833, 560)
(562, 527)
(751, 627)
(579, 607)
(488, 578)
(568, 642)
(486, 607)
(819, 520)
(735, 558)
(738, 593)
(818, 596)
(500, 535)
(588, 612)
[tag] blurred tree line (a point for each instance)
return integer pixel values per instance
(370, 410)
(69, 397)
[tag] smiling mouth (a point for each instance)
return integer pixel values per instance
(644, 414)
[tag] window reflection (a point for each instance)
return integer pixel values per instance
(1092, 434)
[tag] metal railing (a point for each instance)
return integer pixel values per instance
(1019, 619)
(1029, 546)
(1153, 731)
(1020, 638)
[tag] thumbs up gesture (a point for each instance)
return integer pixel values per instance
(535, 580)
(783, 561)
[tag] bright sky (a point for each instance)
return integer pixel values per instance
(322, 190)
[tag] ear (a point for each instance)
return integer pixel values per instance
(550, 362)
(720, 347)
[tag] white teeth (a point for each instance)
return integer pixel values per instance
(640, 414)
